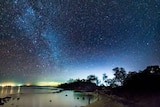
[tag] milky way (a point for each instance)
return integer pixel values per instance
(54, 40)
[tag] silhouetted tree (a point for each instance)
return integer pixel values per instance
(111, 82)
(120, 75)
(93, 79)
(130, 74)
(70, 80)
(79, 84)
(105, 77)
(152, 70)
(144, 80)
(131, 79)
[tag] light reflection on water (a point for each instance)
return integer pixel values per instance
(44, 97)
(5, 91)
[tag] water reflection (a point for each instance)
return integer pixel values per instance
(44, 97)
(84, 97)
(2, 90)
(9, 90)
(6, 90)
(19, 89)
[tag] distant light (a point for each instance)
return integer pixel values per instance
(28, 84)
(2, 85)
(7, 84)
(19, 85)
(48, 83)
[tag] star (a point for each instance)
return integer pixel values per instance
(58, 40)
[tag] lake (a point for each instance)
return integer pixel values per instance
(44, 97)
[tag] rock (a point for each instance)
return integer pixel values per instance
(1, 101)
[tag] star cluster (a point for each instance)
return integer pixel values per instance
(52, 40)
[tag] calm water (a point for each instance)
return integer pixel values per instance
(44, 97)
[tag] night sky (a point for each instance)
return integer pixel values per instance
(54, 40)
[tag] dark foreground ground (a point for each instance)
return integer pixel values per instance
(127, 99)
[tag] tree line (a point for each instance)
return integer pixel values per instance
(147, 79)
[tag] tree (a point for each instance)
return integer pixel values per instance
(120, 75)
(93, 79)
(70, 80)
(109, 82)
(105, 77)
(143, 80)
